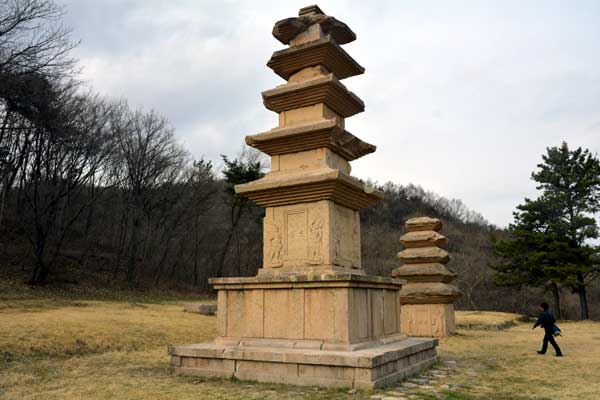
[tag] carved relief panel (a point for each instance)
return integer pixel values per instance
(316, 237)
(310, 235)
(295, 226)
(346, 237)
(296, 236)
(272, 241)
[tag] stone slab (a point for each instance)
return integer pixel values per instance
(427, 272)
(423, 224)
(200, 308)
(299, 280)
(323, 51)
(428, 293)
(328, 90)
(368, 368)
(338, 311)
(423, 239)
(312, 135)
(312, 185)
(418, 255)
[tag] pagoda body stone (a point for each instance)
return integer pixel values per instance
(427, 300)
(311, 316)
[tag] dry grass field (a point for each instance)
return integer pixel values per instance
(64, 348)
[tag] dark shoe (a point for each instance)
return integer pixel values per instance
(559, 355)
(541, 352)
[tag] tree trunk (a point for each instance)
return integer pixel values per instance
(161, 263)
(196, 251)
(582, 292)
(121, 239)
(40, 272)
(88, 226)
(133, 254)
(2, 204)
(235, 218)
(221, 264)
(556, 294)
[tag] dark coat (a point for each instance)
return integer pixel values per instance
(546, 320)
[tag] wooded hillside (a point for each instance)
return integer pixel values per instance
(96, 192)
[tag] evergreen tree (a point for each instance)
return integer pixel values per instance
(551, 235)
(237, 172)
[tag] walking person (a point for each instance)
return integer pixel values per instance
(546, 320)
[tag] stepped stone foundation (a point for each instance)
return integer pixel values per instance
(311, 316)
(427, 300)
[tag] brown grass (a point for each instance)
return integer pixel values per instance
(56, 348)
(61, 349)
(504, 364)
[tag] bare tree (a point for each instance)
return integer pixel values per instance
(69, 145)
(151, 159)
(33, 40)
(201, 180)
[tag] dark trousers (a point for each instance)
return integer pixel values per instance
(549, 337)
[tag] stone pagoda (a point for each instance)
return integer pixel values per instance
(311, 316)
(427, 301)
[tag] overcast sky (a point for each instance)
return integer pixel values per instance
(461, 98)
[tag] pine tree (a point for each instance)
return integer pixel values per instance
(551, 235)
(237, 172)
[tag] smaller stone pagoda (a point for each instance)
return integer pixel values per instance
(427, 300)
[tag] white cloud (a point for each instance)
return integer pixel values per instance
(462, 97)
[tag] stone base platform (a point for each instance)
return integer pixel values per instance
(368, 368)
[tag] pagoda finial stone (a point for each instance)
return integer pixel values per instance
(313, 17)
(310, 10)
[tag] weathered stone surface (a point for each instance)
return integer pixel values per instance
(423, 224)
(429, 292)
(305, 367)
(279, 305)
(428, 320)
(423, 239)
(309, 73)
(344, 312)
(222, 316)
(289, 29)
(245, 313)
(323, 51)
(200, 308)
(325, 134)
(319, 235)
(427, 272)
(424, 255)
(307, 280)
(310, 185)
(323, 89)
(427, 299)
(309, 115)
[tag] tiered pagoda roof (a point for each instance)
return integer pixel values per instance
(424, 264)
(313, 64)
